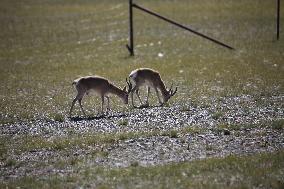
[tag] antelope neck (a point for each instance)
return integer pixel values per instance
(115, 90)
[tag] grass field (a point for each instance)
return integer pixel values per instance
(45, 45)
(261, 171)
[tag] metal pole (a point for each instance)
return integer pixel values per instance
(131, 46)
(278, 18)
(182, 26)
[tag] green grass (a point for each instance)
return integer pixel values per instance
(265, 170)
(59, 117)
(275, 124)
(123, 122)
(278, 124)
(28, 143)
(217, 115)
(45, 46)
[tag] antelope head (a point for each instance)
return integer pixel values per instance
(170, 93)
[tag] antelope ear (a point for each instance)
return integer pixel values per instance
(124, 89)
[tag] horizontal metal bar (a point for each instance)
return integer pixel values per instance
(181, 26)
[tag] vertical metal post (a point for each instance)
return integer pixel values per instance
(130, 47)
(278, 18)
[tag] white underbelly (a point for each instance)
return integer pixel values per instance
(148, 83)
(142, 84)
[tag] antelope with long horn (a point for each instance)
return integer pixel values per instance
(101, 86)
(152, 79)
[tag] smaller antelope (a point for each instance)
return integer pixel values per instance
(150, 78)
(101, 86)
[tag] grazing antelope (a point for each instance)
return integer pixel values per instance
(101, 86)
(150, 78)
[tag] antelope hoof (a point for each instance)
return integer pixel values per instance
(146, 105)
(100, 114)
(133, 106)
(107, 111)
(143, 106)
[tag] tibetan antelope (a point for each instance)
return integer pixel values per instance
(101, 86)
(150, 78)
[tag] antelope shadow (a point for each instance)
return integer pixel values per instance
(98, 117)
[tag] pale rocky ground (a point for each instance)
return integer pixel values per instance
(253, 135)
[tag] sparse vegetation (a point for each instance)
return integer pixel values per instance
(236, 127)
(173, 134)
(59, 117)
(217, 115)
(123, 122)
(209, 147)
(229, 172)
(191, 129)
(10, 162)
(278, 124)
(134, 164)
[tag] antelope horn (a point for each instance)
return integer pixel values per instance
(170, 90)
(173, 93)
(129, 84)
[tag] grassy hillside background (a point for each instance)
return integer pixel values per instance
(45, 45)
